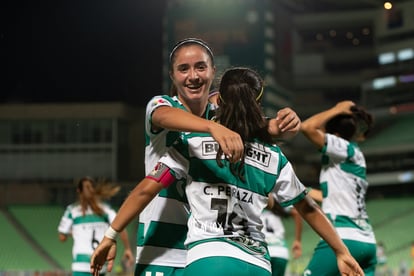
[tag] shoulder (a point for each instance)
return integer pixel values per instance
(164, 100)
(72, 206)
(106, 206)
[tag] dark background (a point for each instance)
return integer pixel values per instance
(77, 51)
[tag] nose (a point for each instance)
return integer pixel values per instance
(193, 74)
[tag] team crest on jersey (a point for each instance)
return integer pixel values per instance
(258, 155)
(158, 101)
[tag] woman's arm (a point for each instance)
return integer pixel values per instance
(315, 194)
(179, 120)
(133, 205)
(128, 256)
(314, 127)
(297, 243)
(313, 215)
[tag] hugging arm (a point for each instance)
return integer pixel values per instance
(179, 120)
(133, 205)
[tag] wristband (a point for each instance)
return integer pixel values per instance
(110, 233)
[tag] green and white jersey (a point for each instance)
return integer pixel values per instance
(87, 232)
(274, 232)
(344, 186)
(221, 204)
(163, 223)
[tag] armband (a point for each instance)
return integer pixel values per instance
(162, 174)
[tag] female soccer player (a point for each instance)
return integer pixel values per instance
(86, 221)
(336, 132)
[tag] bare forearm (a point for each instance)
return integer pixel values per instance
(137, 200)
(298, 225)
(319, 120)
(125, 239)
(314, 127)
(314, 216)
(179, 120)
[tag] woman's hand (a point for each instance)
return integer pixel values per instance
(105, 252)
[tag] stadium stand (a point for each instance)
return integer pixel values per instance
(40, 222)
(16, 252)
(393, 222)
(32, 244)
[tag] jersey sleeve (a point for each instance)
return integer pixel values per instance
(336, 148)
(110, 212)
(153, 104)
(288, 189)
(66, 222)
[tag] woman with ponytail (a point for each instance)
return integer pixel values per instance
(86, 220)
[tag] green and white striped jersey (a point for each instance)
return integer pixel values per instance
(222, 205)
(163, 223)
(344, 186)
(87, 232)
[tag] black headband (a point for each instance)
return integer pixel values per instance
(192, 41)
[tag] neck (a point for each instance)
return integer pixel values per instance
(197, 108)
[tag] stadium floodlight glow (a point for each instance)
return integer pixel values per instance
(386, 58)
(405, 54)
(382, 83)
(387, 5)
(406, 177)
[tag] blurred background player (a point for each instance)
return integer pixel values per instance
(343, 185)
(86, 221)
(274, 231)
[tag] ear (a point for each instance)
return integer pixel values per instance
(214, 70)
(170, 73)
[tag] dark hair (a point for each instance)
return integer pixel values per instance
(85, 178)
(191, 41)
(343, 124)
(241, 91)
(102, 190)
(187, 42)
(365, 120)
(350, 126)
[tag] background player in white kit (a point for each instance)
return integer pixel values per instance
(343, 185)
(274, 231)
(86, 221)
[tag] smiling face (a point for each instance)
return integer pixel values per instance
(192, 74)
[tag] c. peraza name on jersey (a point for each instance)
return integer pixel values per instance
(217, 190)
